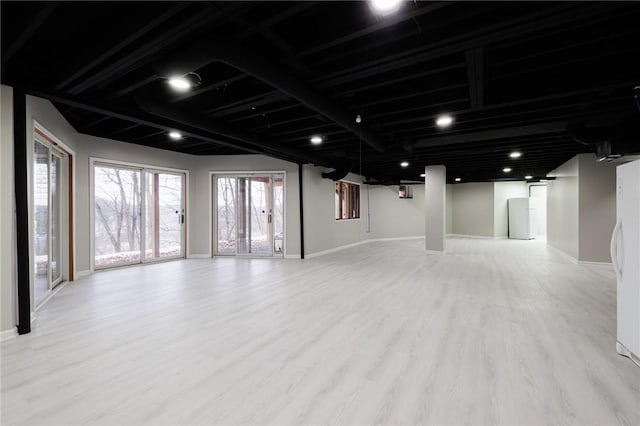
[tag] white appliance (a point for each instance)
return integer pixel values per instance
(625, 256)
(522, 218)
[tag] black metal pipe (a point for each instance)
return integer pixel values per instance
(301, 212)
(22, 209)
(213, 50)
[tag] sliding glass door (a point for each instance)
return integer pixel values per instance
(48, 205)
(249, 214)
(138, 215)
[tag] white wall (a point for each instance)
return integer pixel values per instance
(562, 208)
(597, 208)
(321, 230)
(393, 217)
(7, 212)
(502, 191)
(473, 205)
(449, 208)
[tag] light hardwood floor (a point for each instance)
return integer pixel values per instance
(493, 332)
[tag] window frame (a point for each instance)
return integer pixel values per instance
(342, 203)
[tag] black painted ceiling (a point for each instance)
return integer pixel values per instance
(513, 75)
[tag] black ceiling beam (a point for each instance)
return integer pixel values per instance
(209, 87)
(135, 57)
(135, 117)
(480, 38)
(475, 74)
(246, 103)
(210, 125)
(269, 22)
(384, 23)
(151, 25)
(507, 132)
(211, 50)
(28, 31)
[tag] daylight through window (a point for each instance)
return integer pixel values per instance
(347, 197)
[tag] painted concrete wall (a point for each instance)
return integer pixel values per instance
(502, 191)
(597, 208)
(562, 208)
(473, 205)
(449, 207)
(393, 217)
(7, 213)
(321, 230)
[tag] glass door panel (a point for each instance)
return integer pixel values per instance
(226, 215)
(164, 215)
(117, 216)
(278, 214)
(244, 213)
(56, 220)
(41, 227)
(250, 214)
(261, 215)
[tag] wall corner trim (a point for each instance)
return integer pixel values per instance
(85, 273)
(437, 252)
(563, 254)
(10, 334)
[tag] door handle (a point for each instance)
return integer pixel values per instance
(269, 220)
(617, 267)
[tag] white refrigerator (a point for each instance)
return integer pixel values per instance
(522, 217)
(625, 256)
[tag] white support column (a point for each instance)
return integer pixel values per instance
(435, 208)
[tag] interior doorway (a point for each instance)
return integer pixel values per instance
(539, 193)
(249, 214)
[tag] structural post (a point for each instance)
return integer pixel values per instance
(22, 209)
(435, 208)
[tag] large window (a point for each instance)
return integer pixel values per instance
(138, 214)
(347, 200)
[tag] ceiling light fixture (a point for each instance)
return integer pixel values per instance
(175, 135)
(316, 140)
(185, 82)
(515, 154)
(507, 169)
(404, 164)
(444, 120)
(180, 84)
(384, 7)
(423, 175)
(527, 177)
(358, 119)
(458, 179)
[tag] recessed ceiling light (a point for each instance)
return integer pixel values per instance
(422, 175)
(458, 179)
(316, 140)
(180, 84)
(175, 135)
(385, 6)
(527, 177)
(404, 164)
(506, 169)
(515, 154)
(444, 120)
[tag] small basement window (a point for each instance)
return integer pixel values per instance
(405, 191)
(347, 200)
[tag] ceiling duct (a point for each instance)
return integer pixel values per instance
(208, 124)
(610, 142)
(205, 52)
(336, 175)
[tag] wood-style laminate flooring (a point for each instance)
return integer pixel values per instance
(493, 332)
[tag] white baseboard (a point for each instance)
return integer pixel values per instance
(586, 262)
(563, 254)
(333, 250)
(33, 316)
(85, 273)
(8, 334)
(292, 256)
(395, 238)
(434, 252)
(482, 237)
(199, 256)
